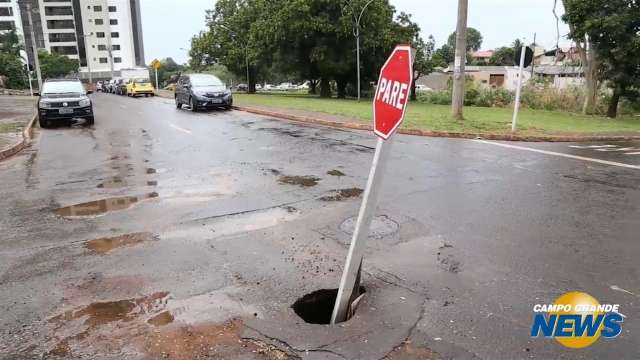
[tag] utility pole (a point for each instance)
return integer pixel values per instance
(356, 33)
(533, 63)
(86, 51)
(34, 47)
(457, 98)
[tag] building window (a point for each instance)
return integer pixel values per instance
(100, 34)
(64, 50)
(99, 22)
(112, 9)
(62, 37)
(58, 10)
(97, 8)
(117, 60)
(102, 47)
(103, 60)
(7, 25)
(115, 34)
(115, 47)
(113, 22)
(6, 11)
(60, 24)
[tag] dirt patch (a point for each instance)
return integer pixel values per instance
(103, 206)
(304, 181)
(408, 351)
(335, 172)
(105, 245)
(207, 341)
(342, 194)
(161, 319)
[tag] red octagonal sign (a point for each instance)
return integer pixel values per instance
(392, 92)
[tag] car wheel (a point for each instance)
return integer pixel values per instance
(192, 105)
(44, 123)
(90, 121)
(178, 104)
(146, 95)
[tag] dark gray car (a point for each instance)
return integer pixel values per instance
(201, 91)
(63, 100)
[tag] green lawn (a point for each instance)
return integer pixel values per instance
(436, 117)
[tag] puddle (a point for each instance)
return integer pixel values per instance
(101, 313)
(112, 183)
(151, 171)
(161, 319)
(100, 207)
(105, 245)
(305, 181)
(381, 226)
(317, 307)
(335, 172)
(342, 194)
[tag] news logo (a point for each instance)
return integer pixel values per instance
(576, 320)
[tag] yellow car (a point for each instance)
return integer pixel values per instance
(139, 86)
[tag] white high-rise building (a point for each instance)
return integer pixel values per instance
(10, 17)
(102, 35)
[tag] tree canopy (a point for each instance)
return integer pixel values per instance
(10, 63)
(55, 65)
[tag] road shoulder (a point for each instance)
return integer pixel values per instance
(16, 123)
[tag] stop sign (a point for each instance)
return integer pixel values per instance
(392, 92)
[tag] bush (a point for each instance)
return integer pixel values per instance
(439, 97)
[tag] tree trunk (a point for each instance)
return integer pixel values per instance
(342, 88)
(590, 65)
(325, 88)
(312, 86)
(252, 81)
(413, 95)
(612, 111)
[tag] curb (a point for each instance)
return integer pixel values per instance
(27, 135)
(431, 133)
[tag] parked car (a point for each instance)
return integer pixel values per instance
(258, 87)
(242, 87)
(202, 91)
(121, 86)
(99, 86)
(62, 100)
(286, 86)
(113, 85)
(423, 88)
(139, 86)
(268, 87)
(105, 86)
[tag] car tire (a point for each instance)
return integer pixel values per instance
(178, 104)
(90, 121)
(194, 107)
(146, 95)
(44, 123)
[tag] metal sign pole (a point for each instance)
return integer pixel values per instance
(156, 69)
(516, 107)
(361, 232)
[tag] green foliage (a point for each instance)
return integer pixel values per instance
(169, 69)
(55, 65)
(438, 97)
(503, 56)
(444, 56)
(10, 64)
(493, 98)
(474, 40)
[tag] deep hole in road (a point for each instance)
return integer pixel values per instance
(316, 307)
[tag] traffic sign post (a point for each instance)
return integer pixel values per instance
(156, 65)
(389, 105)
(526, 57)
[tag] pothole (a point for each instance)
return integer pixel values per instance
(105, 245)
(305, 181)
(317, 307)
(341, 194)
(381, 226)
(103, 206)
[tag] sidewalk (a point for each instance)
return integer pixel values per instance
(16, 113)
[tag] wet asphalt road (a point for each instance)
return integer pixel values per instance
(187, 220)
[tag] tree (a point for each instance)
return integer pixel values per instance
(55, 65)
(168, 69)
(423, 62)
(443, 56)
(474, 40)
(10, 63)
(606, 35)
(503, 56)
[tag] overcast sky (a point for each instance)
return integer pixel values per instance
(168, 25)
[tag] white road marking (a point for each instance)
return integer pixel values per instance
(619, 149)
(618, 288)
(633, 153)
(180, 129)
(592, 146)
(613, 163)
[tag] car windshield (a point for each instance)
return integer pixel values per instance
(205, 80)
(62, 87)
(141, 81)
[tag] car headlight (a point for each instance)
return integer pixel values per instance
(85, 102)
(45, 105)
(199, 93)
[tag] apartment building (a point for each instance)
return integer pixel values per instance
(10, 17)
(102, 35)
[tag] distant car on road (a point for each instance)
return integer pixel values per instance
(121, 86)
(139, 86)
(201, 91)
(64, 99)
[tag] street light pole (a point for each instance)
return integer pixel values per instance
(356, 33)
(84, 38)
(34, 47)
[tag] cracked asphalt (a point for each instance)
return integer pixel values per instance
(162, 233)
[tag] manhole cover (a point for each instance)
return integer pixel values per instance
(381, 226)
